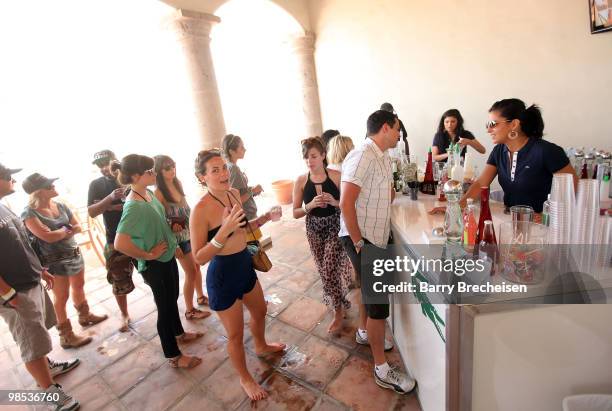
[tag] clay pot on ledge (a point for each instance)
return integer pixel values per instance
(283, 190)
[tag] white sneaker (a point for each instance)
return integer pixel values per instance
(60, 400)
(396, 380)
(364, 341)
(61, 367)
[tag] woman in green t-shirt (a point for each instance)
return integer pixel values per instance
(144, 234)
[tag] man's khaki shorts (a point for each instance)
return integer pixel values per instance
(119, 269)
(29, 322)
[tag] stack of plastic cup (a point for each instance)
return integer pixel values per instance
(561, 209)
(604, 241)
(586, 217)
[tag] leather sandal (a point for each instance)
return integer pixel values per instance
(203, 300)
(193, 362)
(196, 314)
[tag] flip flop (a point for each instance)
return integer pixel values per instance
(196, 314)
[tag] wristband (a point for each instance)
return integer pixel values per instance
(9, 296)
(216, 244)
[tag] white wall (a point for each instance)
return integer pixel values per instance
(425, 57)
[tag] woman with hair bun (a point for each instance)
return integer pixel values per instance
(523, 162)
(144, 234)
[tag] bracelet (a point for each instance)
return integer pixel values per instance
(215, 243)
(8, 296)
(305, 209)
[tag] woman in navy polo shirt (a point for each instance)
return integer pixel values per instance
(523, 162)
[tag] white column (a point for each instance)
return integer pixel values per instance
(307, 75)
(193, 31)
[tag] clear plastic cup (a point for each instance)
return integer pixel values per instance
(276, 213)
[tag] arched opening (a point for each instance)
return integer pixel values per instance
(80, 78)
(259, 85)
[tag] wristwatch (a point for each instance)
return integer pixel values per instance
(359, 244)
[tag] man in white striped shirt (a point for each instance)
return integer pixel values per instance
(365, 203)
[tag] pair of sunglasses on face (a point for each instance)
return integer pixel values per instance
(169, 167)
(493, 123)
(8, 178)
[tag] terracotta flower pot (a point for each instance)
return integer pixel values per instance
(283, 190)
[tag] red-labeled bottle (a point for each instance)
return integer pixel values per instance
(487, 248)
(485, 214)
(469, 227)
(428, 186)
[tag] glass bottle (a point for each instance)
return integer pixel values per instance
(428, 186)
(485, 214)
(546, 212)
(487, 248)
(453, 220)
(443, 180)
(470, 227)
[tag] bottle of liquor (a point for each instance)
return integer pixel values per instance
(546, 212)
(470, 227)
(395, 175)
(487, 248)
(485, 214)
(428, 186)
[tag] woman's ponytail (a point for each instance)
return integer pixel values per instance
(532, 122)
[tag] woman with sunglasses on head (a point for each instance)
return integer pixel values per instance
(450, 130)
(169, 192)
(523, 162)
(144, 234)
(218, 227)
(54, 225)
(316, 195)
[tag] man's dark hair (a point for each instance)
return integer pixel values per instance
(378, 118)
(328, 135)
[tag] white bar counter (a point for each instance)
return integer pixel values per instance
(496, 356)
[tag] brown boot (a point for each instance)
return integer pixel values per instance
(86, 317)
(68, 339)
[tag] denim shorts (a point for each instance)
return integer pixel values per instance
(185, 246)
(228, 278)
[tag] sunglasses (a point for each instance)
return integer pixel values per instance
(493, 123)
(169, 167)
(8, 178)
(150, 172)
(49, 187)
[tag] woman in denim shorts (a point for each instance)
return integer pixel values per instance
(169, 192)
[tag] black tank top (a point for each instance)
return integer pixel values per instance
(327, 186)
(214, 231)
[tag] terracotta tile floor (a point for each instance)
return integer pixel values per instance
(127, 371)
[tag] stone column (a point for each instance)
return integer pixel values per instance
(304, 50)
(193, 32)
